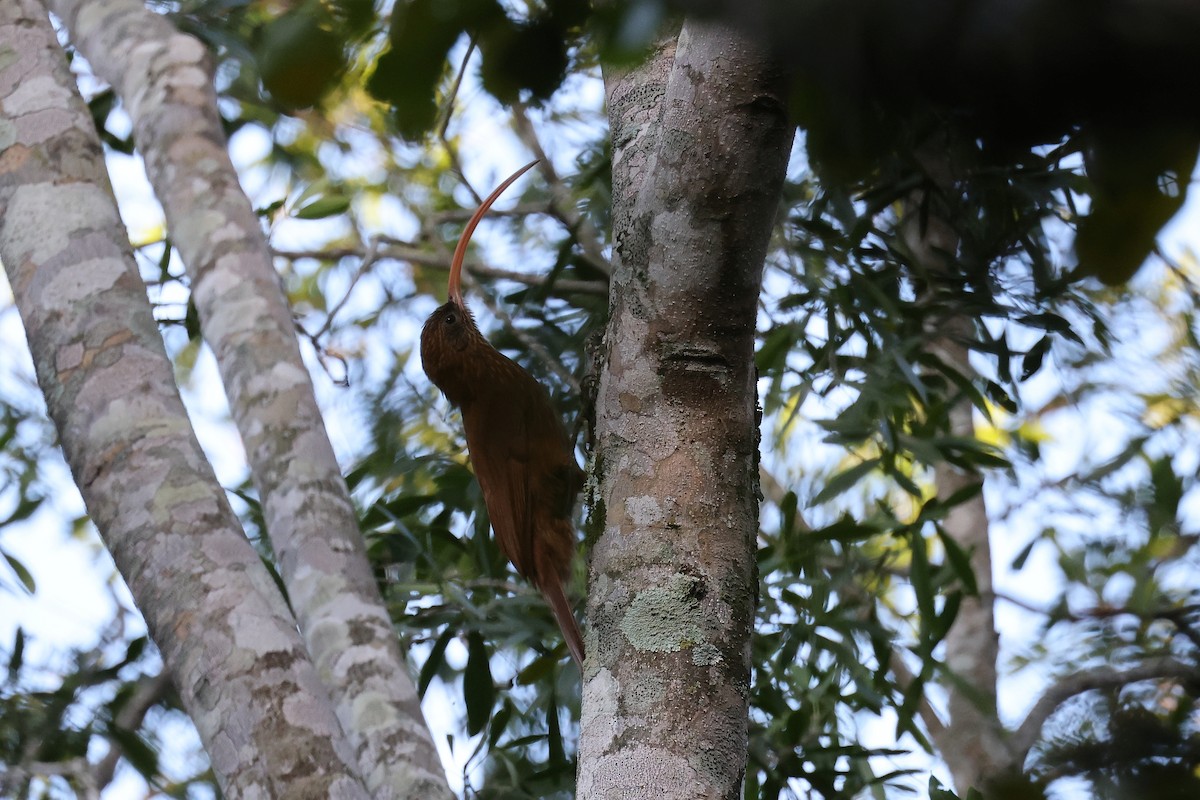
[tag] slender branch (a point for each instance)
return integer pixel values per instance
(369, 258)
(451, 150)
(389, 250)
(563, 207)
(1098, 678)
(435, 218)
(150, 690)
(452, 95)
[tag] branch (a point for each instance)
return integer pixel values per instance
(1098, 678)
(1176, 616)
(150, 690)
(390, 250)
(562, 205)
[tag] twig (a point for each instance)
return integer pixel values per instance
(323, 356)
(563, 208)
(1098, 678)
(448, 106)
(149, 691)
(368, 262)
(391, 250)
(463, 214)
(451, 151)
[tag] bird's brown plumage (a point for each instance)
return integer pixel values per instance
(521, 454)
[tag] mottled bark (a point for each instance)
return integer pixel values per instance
(164, 78)
(700, 145)
(239, 665)
(972, 742)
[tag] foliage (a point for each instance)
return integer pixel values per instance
(857, 568)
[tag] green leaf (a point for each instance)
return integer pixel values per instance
(942, 622)
(18, 655)
(1018, 563)
(24, 510)
(479, 690)
(500, 723)
(134, 749)
(23, 575)
(191, 321)
(300, 58)
(554, 736)
(939, 792)
(959, 562)
(846, 529)
(433, 663)
(773, 353)
(1167, 494)
(923, 588)
(537, 670)
(845, 479)
(1032, 361)
(328, 205)
(787, 510)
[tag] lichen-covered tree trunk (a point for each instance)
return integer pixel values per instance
(238, 663)
(164, 78)
(700, 146)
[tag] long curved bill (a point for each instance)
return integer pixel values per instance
(460, 252)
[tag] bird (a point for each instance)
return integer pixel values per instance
(517, 445)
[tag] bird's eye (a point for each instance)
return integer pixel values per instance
(450, 318)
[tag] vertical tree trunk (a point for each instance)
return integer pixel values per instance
(973, 742)
(163, 77)
(700, 146)
(238, 663)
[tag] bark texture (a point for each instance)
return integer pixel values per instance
(237, 660)
(972, 741)
(164, 78)
(700, 145)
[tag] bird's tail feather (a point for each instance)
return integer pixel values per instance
(560, 606)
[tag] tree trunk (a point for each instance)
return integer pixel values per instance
(163, 77)
(972, 741)
(700, 146)
(239, 665)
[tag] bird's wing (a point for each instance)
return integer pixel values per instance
(498, 440)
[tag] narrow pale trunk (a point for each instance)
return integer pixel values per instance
(164, 79)
(972, 741)
(700, 145)
(223, 629)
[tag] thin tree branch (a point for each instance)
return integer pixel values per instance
(391, 250)
(562, 205)
(150, 690)
(366, 264)
(1030, 730)
(452, 95)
